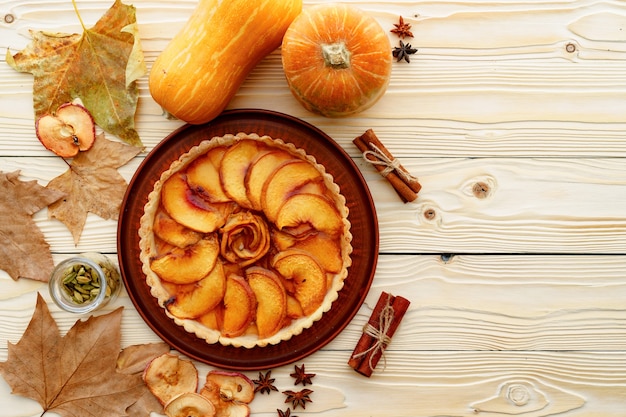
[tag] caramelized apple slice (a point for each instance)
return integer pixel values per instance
(234, 167)
(314, 209)
(193, 300)
(190, 404)
(271, 300)
(239, 306)
(281, 185)
(187, 207)
(189, 264)
(203, 175)
(308, 276)
(260, 171)
(172, 232)
(168, 376)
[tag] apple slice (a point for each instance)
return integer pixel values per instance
(239, 306)
(314, 209)
(203, 175)
(172, 232)
(230, 393)
(66, 132)
(190, 404)
(283, 183)
(324, 248)
(260, 171)
(308, 276)
(271, 300)
(168, 376)
(189, 264)
(189, 208)
(193, 300)
(234, 167)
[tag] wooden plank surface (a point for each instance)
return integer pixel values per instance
(512, 114)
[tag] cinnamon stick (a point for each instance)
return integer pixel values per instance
(377, 334)
(378, 155)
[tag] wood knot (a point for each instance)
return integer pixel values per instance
(570, 47)
(9, 18)
(430, 214)
(481, 189)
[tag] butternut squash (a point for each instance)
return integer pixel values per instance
(203, 66)
(337, 59)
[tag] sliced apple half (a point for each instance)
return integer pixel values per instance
(203, 175)
(189, 264)
(281, 185)
(308, 276)
(187, 207)
(230, 392)
(172, 232)
(66, 132)
(271, 299)
(260, 171)
(189, 404)
(239, 306)
(234, 167)
(314, 209)
(193, 300)
(168, 376)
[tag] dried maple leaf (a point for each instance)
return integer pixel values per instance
(24, 252)
(132, 361)
(92, 185)
(73, 375)
(99, 66)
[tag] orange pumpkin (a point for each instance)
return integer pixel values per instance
(337, 59)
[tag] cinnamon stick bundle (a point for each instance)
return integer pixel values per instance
(377, 154)
(377, 333)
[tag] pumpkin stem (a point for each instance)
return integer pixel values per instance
(336, 55)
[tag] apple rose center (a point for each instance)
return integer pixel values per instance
(245, 238)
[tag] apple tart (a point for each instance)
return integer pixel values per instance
(245, 240)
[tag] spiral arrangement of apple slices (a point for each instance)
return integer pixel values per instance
(245, 240)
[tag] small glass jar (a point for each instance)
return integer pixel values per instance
(84, 283)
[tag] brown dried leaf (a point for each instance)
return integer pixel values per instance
(99, 66)
(24, 252)
(74, 375)
(92, 185)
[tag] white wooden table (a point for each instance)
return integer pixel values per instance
(517, 294)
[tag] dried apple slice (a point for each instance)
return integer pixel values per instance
(271, 299)
(190, 404)
(281, 185)
(168, 376)
(189, 264)
(314, 209)
(173, 232)
(234, 167)
(193, 300)
(203, 175)
(189, 208)
(230, 393)
(259, 172)
(239, 306)
(66, 132)
(308, 276)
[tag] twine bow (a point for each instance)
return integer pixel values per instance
(391, 164)
(379, 334)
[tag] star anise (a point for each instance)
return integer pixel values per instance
(299, 398)
(301, 376)
(265, 383)
(287, 413)
(402, 29)
(403, 51)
